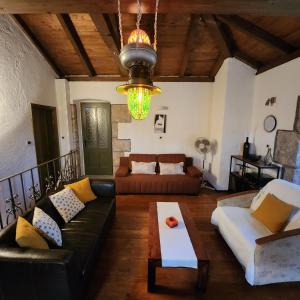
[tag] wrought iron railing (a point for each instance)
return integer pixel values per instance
(20, 192)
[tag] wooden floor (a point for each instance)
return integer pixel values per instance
(121, 272)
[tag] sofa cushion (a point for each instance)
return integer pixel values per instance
(171, 168)
(171, 158)
(46, 226)
(141, 158)
(82, 190)
(157, 184)
(282, 189)
(28, 237)
(67, 204)
(143, 167)
(273, 213)
(240, 230)
(84, 233)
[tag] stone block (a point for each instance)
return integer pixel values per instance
(120, 114)
(116, 157)
(114, 129)
(121, 145)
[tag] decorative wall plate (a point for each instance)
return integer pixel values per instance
(270, 123)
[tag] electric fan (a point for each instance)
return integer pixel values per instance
(202, 145)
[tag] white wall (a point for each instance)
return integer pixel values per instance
(25, 77)
(187, 115)
(64, 115)
(230, 118)
(283, 83)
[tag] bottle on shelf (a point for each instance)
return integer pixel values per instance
(246, 148)
(268, 160)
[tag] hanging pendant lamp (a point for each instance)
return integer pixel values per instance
(138, 57)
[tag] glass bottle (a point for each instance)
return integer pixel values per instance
(268, 160)
(246, 148)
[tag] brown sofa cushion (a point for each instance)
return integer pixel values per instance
(122, 171)
(141, 158)
(193, 171)
(171, 158)
(157, 184)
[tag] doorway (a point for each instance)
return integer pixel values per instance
(97, 138)
(46, 139)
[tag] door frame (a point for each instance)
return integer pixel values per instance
(80, 134)
(52, 109)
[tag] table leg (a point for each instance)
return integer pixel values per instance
(202, 279)
(151, 276)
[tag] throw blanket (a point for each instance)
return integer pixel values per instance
(175, 244)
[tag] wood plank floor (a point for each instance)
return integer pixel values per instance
(121, 271)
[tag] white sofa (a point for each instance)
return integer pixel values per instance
(266, 257)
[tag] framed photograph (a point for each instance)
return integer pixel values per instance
(160, 123)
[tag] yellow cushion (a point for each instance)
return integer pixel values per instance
(82, 190)
(273, 213)
(27, 236)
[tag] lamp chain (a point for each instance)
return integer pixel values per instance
(139, 14)
(120, 23)
(155, 26)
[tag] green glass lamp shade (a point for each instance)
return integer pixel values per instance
(139, 102)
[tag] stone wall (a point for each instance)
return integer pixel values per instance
(287, 149)
(119, 114)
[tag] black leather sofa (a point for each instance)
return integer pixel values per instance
(61, 273)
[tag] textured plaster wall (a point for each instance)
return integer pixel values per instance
(25, 77)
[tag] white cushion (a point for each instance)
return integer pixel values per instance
(67, 204)
(171, 169)
(46, 226)
(143, 167)
(294, 221)
(240, 231)
(282, 189)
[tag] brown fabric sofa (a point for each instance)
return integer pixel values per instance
(127, 183)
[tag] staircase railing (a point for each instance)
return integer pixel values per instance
(20, 192)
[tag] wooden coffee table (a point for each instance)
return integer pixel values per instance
(154, 255)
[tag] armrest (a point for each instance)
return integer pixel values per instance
(193, 171)
(242, 199)
(122, 171)
(104, 188)
(277, 260)
(39, 274)
(277, 236)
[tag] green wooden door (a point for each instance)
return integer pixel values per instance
(97, 139)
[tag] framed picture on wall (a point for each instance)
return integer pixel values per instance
(160, 123)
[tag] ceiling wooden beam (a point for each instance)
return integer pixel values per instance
(155, 78)
(73, 36)
(257, 33)
(253, 7)
(109, 34)
(221, 37)
(189, 43)
(279, 61)
(250, 61)
(217, 66)
(29, 34)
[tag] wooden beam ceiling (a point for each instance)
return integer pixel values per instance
(73, 36)
(279, 61)
(29, 34)
(252, 7)
(257, 33)
(189, 43)
(218, 32)
(109, 34)
(155, 78)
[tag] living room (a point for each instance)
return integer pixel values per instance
(139, 112)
